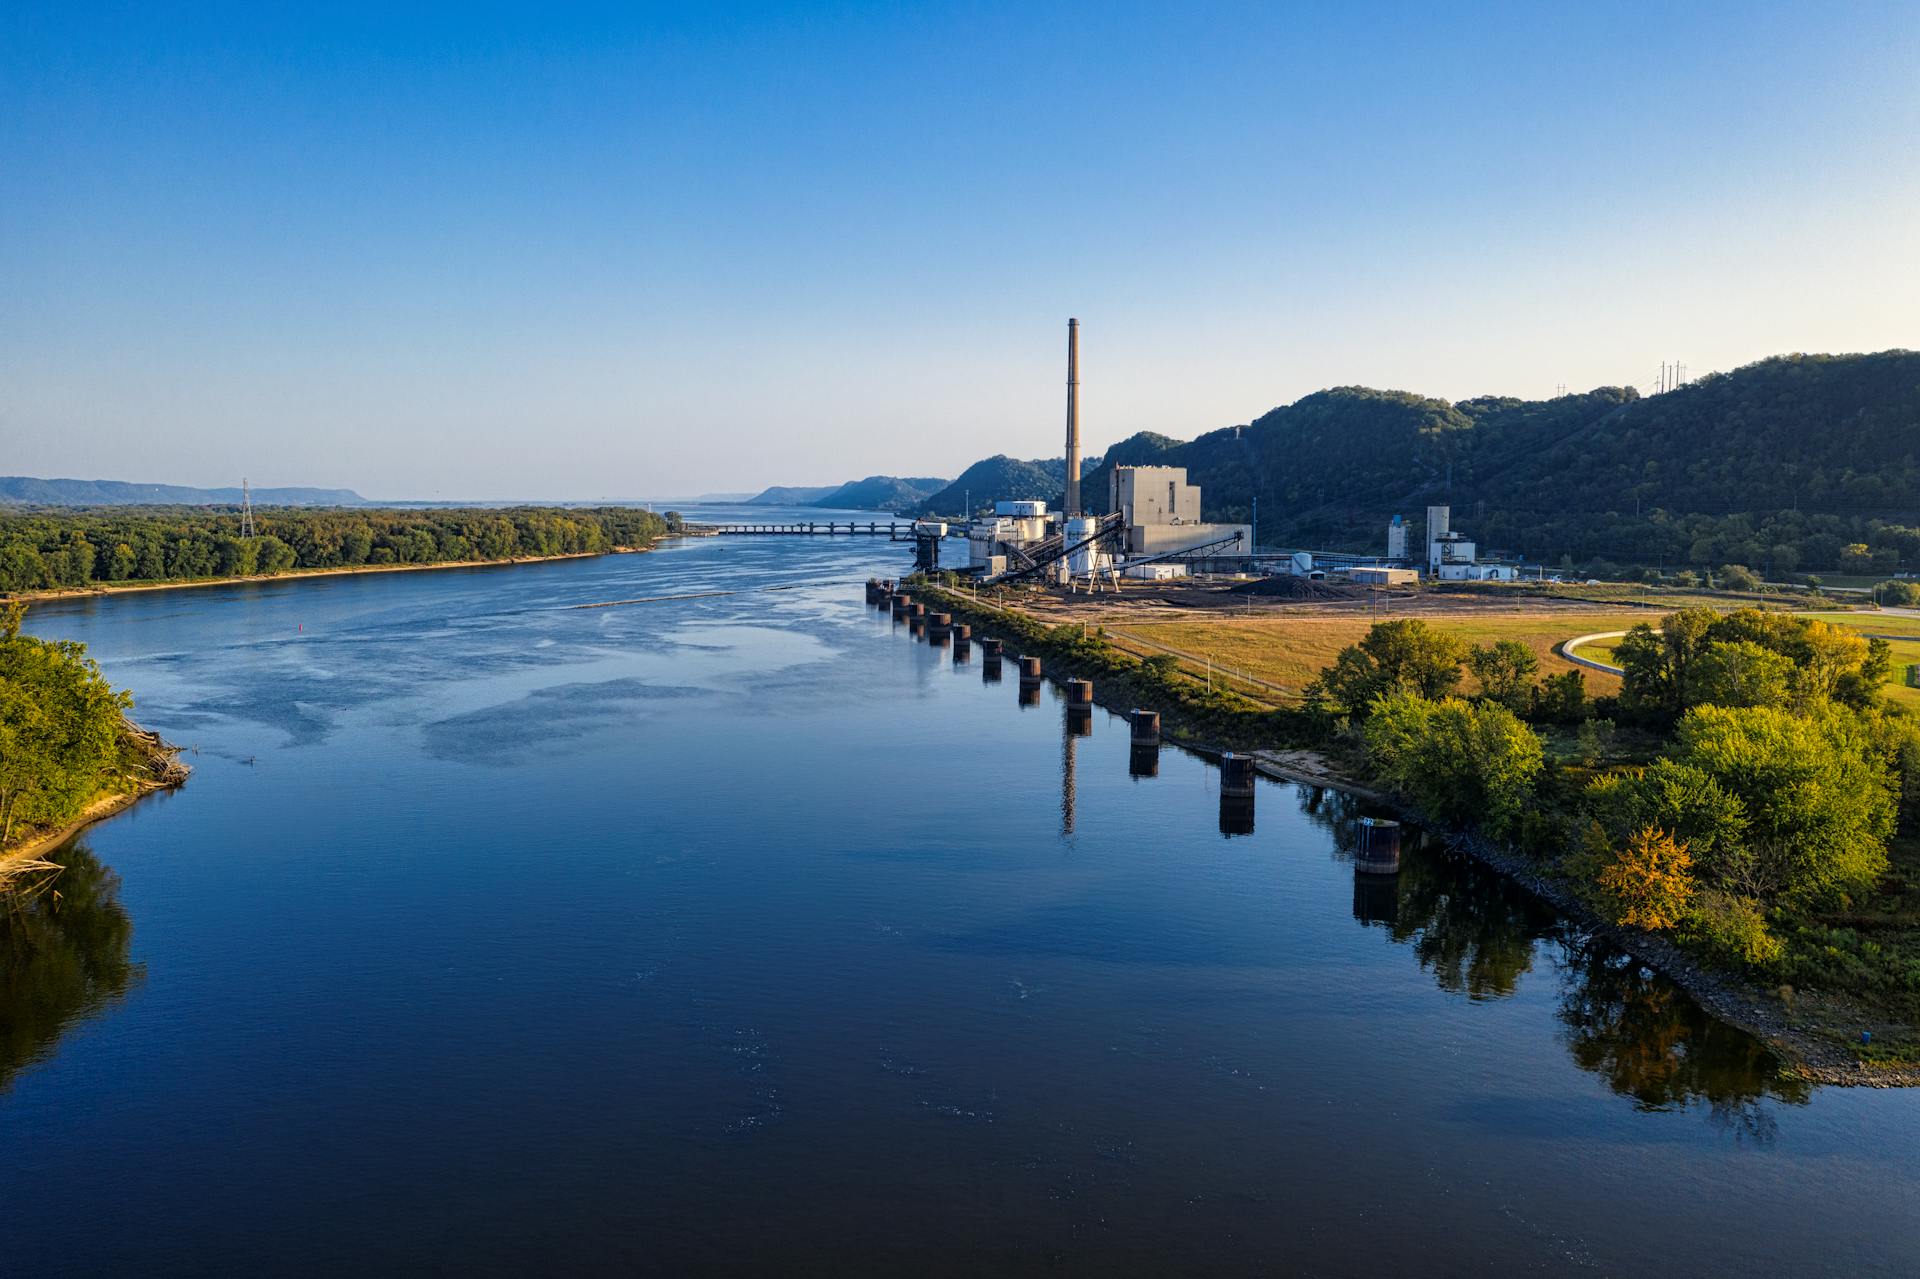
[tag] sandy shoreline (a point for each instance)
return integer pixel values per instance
(121, 588)
(98, 811)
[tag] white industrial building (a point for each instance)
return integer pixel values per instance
(1382, 575)
(1017, 523)
(1451, 557)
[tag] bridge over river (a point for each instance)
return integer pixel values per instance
(898, 531)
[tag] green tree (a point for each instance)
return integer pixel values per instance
(1818, 800)
(1402, 656)
(60, 724)
(1658, 665)
(1683, 800)
(1561, 699)
(1741, 673)
(1460, 762)
(1505, 670)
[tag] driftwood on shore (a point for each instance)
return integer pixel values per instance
(160, 759)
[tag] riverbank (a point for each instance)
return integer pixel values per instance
(158, 769)
(1803, 1029)
(348, 570)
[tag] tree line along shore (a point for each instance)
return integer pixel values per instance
(1744, 811)
(51, 551)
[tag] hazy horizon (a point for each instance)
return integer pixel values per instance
(487, 255)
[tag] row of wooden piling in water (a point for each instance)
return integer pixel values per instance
(1378, 850)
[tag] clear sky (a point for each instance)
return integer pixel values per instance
(555, 251)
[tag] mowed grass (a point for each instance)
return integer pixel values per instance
(1291, 650)
(1599, 650)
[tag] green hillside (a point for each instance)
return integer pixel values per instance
(791, 495)
(881, 493)
(1000, 479)
(1804, 462)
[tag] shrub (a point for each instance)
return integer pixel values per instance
(1898, 593)
(1732, 929)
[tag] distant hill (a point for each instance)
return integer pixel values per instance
(790, 495)
(1782, 465)
(1003, 479)
(26, 490)
(881, 493)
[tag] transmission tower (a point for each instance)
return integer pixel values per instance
(246, 509)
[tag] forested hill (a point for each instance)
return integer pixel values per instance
(881, 493)
(1784, 464)
(1001, 479)
(790, 495)
(27, 490)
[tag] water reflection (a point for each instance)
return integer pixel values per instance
(1070, 735)
(65, 946)
(1652, 1043)
(1478, 933)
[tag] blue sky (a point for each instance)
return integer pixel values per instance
(573, 252)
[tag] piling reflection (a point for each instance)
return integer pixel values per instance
(65, 946)
(1069, 770)
(1143, 761)
(1237, 789)
(1479, 933)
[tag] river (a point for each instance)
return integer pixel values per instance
(748, 932)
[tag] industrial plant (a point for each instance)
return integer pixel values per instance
(1153, 530)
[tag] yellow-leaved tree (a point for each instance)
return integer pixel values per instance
(1650, 881)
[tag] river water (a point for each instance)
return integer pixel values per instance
(748, 932)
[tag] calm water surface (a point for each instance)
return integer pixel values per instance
(747, 932)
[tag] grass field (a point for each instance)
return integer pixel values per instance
(1873, 623)
(1290, 650)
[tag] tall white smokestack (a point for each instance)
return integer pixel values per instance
(1073, 417)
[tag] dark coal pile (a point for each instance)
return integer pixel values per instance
(1300, 588)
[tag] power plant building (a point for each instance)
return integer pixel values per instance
(1161, 514)
(1453, 558)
